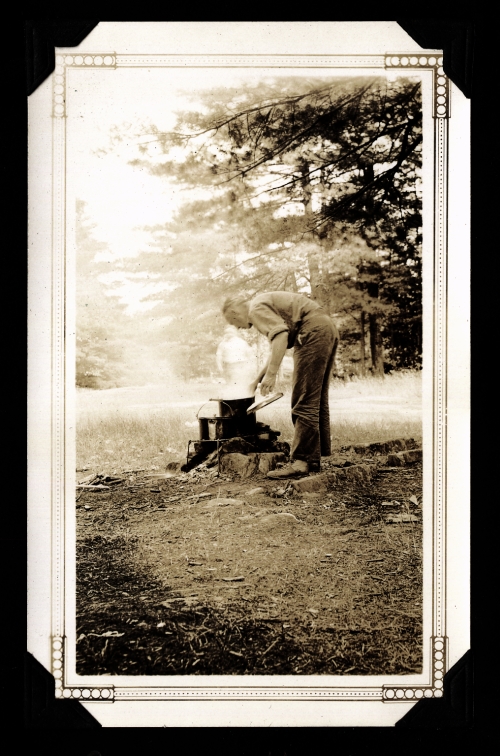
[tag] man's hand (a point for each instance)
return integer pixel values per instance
(268, 382)
(253, 386)
(269, 373)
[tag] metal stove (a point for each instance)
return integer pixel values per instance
(224, 423)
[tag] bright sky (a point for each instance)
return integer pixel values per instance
(121, 198)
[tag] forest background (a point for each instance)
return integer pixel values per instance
(301, 184)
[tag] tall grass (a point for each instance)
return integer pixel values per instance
(146, 427)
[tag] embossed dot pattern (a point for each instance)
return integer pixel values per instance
(96, 694)
(65, 61)
(441, 94)
(409, 693)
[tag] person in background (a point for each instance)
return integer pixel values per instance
(293, 320)
(236, 363)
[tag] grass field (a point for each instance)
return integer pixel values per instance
(195, 574)
(149, 426)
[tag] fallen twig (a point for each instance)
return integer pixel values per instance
(100, 486)
(270, 647)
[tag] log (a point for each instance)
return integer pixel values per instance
(100, 486)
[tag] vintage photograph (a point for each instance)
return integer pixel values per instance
(248, 374)
(248, 267)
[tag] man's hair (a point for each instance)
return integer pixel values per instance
(233, 301)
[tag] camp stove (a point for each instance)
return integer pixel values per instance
(231, 425)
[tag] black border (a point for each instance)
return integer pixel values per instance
(276, 742)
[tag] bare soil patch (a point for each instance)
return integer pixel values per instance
(195, 574)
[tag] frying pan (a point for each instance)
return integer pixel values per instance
(258, 405)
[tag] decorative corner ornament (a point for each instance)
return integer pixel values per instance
(403, 694)
(83, 693)
(432, 686)
(63, 62)
(441, 83)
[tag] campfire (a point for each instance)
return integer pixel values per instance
(229, 426)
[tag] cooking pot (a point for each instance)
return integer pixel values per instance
(220, 424)
(227, 419)
(235, 410)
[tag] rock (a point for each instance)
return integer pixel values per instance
(310, 484)
(87, 479)
(390, 446)
(282, 521)
(243, 465)
(255, 491)
(402, 518)
(361, 448)
(237, 445)
(395, 460)
(274, 446)
(404, 458)
(269, 462)
(212, 503)
(174, 466)
(398, 444)
(413, 455)
(359, 473)
(279, 517)
(320, 483)
(338, 460)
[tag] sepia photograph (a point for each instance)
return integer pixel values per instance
(247, 308)
(287, 539)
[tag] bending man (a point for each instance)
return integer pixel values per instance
(293, 320)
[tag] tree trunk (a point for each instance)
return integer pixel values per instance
(315, 280)
(293, 282)
(315, 277)
(362, 343)
(376, 345)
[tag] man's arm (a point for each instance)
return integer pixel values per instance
(268, 374)
(260, 376)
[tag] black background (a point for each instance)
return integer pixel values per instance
(435, 737)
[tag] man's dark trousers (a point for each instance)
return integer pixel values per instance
(313, 358)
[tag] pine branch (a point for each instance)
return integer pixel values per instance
(290, 141)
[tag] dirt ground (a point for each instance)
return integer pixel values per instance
(198, 574)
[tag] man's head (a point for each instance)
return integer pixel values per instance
(235, 310)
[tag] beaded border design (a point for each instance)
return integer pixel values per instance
(441, 113)
(441, 83)
(82, 692)
(402, 694)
